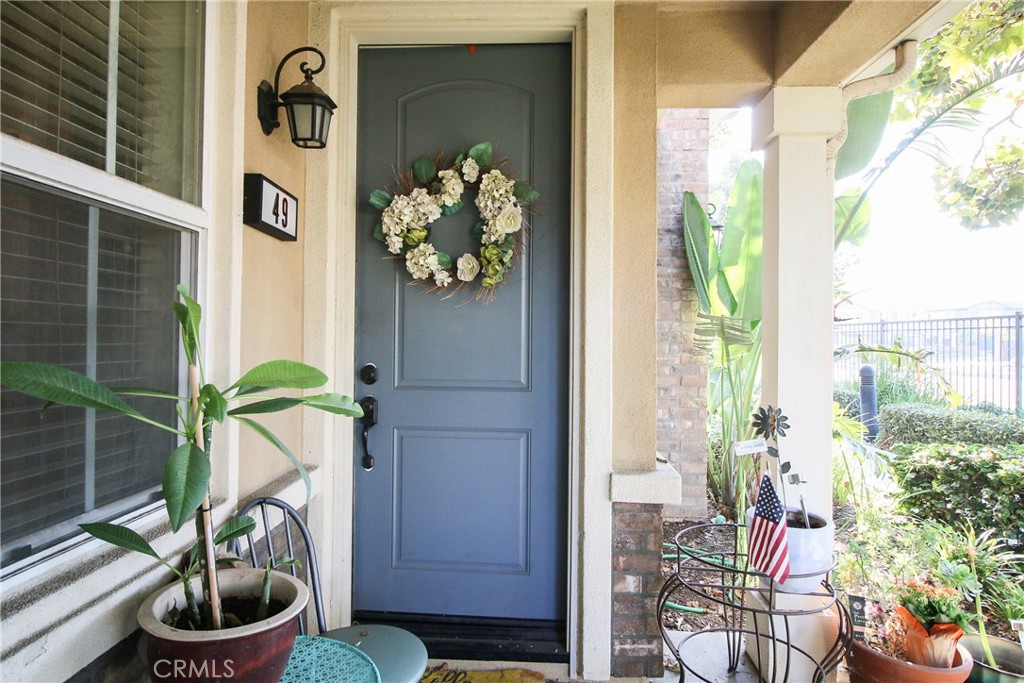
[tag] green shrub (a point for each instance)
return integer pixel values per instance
(955, 483)
(848, 399)
(919, 423)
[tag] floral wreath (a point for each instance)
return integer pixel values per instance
(426, 194)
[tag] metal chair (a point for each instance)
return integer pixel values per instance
(399, 655)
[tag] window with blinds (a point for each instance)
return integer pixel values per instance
(88, 289)
(115, 85)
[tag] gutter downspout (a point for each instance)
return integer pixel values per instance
(906, 62)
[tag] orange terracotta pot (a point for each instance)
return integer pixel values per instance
(869, 666)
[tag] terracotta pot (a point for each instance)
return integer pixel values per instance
(254, 653)
(1009, 660)
(869, 666)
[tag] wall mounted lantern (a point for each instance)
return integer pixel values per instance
(308, 107)
(717, 229)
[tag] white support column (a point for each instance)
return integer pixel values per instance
(792, 126)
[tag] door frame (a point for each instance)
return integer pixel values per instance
(340, 29)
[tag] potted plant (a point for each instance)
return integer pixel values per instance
(197, 630)
(810, 536)
(978, 565)
(915, 638)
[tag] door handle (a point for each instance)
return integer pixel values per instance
(369, 419)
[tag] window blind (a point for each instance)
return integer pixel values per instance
(64, 466)
(126, 100)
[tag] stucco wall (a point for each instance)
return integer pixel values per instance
(272, 270)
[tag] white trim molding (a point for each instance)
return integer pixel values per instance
(340, 29)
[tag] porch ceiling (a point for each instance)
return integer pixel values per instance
(728, 54)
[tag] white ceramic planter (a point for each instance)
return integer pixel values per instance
(256, 652)
(810, 552)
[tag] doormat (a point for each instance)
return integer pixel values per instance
(443, 674)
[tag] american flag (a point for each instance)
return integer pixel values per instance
(769, 546)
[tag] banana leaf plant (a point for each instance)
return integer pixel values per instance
(728, 283)
(187, 471)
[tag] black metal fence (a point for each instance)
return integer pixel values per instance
(981, 357)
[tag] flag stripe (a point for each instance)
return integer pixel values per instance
(768, 543)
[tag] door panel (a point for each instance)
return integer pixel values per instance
(465, 511)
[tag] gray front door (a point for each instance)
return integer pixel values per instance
(464, 512)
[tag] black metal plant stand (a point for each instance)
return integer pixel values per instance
(712, 563)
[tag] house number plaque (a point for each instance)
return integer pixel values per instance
(269, 207)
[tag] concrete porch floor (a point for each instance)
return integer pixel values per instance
(712, 658)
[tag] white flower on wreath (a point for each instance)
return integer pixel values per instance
(442, 278)
(421, 261)
(496, 191)
(470, 170)
(451, 187)
(468, 267)
(508, 221)
(414, 210)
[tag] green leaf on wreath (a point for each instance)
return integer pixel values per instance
(481, 153)
(525, 193)
(424, 169)
(449, 210)
(380, 199)
(478, 230)
(378, 232)
(444, 260)
(459, 159)
(510, 240)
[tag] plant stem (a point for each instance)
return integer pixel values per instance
(190, 599)
(204, 520)
(264, 606)
(981, 617)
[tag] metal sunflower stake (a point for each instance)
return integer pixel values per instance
(770, 425)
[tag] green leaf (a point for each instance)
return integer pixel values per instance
(269, 436)
(121, 536)
(380, 199)
(212, 403)
(186, 482)
(271, 405)
(378, 233)
(510, 241)
(444, 260)
(338, 404)
(742, 241)
(189, 314)
(236, 527)
(866, 119)
(449, 210)
(458, 160)
(856, 226)
(280, 374)
(713, 295)
(61, 386)
(481, 153)
(478, 230)
(424, 170)
(525, 193)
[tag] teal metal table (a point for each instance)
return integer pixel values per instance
(323, 660)
(399, 655)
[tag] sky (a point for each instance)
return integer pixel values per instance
(917, 258)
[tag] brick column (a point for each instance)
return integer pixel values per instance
(682, 371)
(636, 580)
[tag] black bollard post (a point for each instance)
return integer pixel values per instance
(868, 402)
